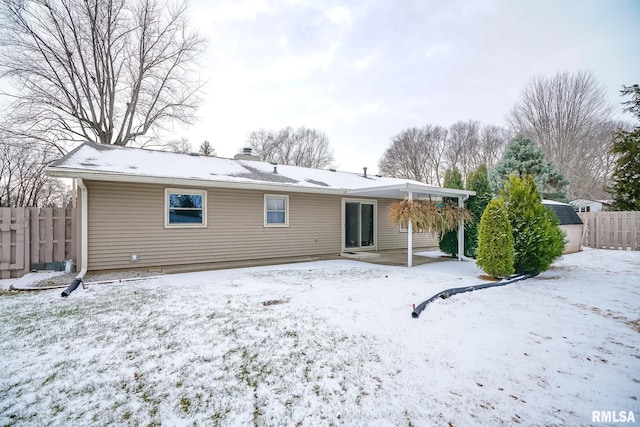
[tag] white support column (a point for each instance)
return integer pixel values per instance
(410, 237)
(460, 231)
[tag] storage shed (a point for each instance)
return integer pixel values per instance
(570, 223)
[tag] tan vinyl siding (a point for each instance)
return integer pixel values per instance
(126, 219)
(389, 235)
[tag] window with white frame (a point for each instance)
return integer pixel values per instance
(276, 210)
(185, 207)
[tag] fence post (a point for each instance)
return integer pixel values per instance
(5, 236)
(635, 239)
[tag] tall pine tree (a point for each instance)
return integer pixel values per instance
(522, 157)
(626, 144)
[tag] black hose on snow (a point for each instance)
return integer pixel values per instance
(453, 291)
(74, 285)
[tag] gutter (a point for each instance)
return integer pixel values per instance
(84, 243)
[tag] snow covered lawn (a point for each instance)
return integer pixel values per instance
(328, 343)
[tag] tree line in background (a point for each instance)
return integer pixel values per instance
(567, 117)
(116, 72)
(424, 154)
(23, 181)
(298, 147)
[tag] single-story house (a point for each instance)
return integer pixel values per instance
(570, 223)
(146, 208)
(584, 205)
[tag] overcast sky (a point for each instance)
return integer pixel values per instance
(363, 71)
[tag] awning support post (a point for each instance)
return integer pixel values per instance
(410, 237)
(460, 231)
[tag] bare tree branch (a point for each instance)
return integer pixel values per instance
(416, 153)
(423, 154)
(101, 70)
(300, 147)
(568, 115)
(22, 178)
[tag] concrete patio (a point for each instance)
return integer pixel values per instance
(397, 257)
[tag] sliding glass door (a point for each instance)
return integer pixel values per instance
(359, 224)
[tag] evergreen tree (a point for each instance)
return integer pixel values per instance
(206, 149)
(495, 241)
(449, 241)
(477, 181)
(538, 240)
(523, 157)
(626, 144)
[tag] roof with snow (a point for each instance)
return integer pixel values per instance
(112, 163)
(586, 202)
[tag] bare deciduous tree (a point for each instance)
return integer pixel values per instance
(22, 178)
(469, 145)
(107, 71)
(463, 146)
(493, 141)
(288, 146)
(416, 153)
(181, 145)
(568, 115)
(425, 153)
(206, 149)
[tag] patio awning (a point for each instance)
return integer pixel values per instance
(417, 191)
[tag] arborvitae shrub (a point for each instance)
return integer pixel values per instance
(495, 241)
(477, 181)
(449, 240)
(538, 240)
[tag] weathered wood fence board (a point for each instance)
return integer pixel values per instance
(35, 235)
(611, 230)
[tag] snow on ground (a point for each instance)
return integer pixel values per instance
(328, 343)
(5, 284)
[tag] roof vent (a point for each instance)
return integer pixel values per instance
(246, 154)
(275, 169)
(365, 171)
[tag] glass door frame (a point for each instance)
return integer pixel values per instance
(371, 202)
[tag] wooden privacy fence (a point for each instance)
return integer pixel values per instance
(35, 236)
(611, 230)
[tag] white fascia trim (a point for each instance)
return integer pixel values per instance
(188, 182)
(414, 188)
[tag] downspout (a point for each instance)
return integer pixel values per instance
(84, 238)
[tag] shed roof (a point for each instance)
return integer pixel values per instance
(566, 214)
(113, 163)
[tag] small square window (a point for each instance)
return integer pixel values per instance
(185, 208)
(276, 210)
